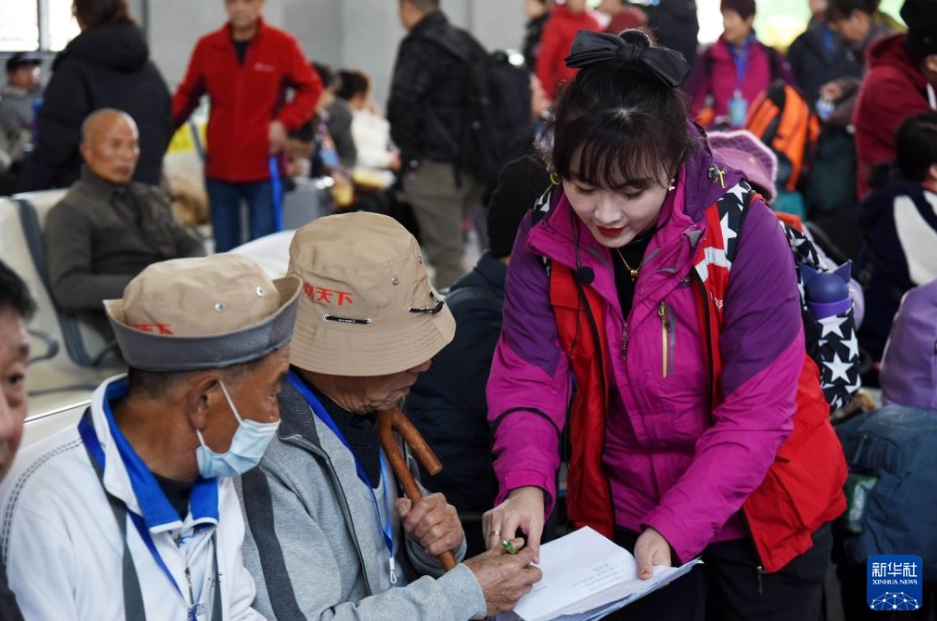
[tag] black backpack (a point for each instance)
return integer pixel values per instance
(497, 125)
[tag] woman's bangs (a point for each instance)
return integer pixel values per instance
(611, 155)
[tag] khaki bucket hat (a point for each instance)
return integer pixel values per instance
(367, 307)
(203, 313)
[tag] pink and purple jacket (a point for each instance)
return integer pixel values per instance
(715, 73)
(672, 461)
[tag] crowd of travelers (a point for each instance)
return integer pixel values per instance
(696, 262)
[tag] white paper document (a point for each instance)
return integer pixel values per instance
(586, 577)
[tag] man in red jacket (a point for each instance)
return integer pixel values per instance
(901, 82)
(566, 19)
(246, 68)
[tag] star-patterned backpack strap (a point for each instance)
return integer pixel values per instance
(830, 341)
(541, 208)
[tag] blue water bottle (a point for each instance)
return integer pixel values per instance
(827, 293)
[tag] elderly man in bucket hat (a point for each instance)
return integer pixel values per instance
(133, 514)
(328, 536)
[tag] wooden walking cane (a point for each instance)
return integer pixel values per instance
(393, 420)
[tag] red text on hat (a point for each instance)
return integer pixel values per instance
(321, 294)
(163, 329)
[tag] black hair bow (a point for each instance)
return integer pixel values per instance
(591, 48)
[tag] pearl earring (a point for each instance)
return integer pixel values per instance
(672, 187)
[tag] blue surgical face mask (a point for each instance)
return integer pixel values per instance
(247, 447)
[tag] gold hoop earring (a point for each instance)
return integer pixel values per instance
(555, 178)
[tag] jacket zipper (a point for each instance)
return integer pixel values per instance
(192, 605)
(308, 446)
(760, 572)
(666, 332)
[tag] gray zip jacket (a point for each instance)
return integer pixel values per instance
(314, 544)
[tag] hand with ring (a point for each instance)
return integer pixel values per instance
(521, 512)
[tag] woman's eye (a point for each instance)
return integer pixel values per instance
(585, 191)
(633, 195)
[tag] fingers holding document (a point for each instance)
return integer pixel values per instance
(651, 549)
(503, 577)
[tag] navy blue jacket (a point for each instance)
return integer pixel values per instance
(818, 56)
(891, 481)
(883, 262)
(448, 404)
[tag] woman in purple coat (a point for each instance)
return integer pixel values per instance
(679, 421)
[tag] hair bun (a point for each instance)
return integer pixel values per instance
(635, 36)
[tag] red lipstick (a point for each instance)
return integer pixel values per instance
(610, 233)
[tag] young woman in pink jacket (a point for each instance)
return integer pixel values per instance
(655, 294)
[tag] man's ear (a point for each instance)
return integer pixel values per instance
(202, 396)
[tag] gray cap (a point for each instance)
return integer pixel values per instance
(22, 59)
(203, 313)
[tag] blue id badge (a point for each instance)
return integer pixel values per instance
(197, 613)
(738, 110)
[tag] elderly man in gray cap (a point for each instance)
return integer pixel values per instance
(329, 537)
(133, 514)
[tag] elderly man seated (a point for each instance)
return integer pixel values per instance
(133, 514)
(328, 536)
(107, 229)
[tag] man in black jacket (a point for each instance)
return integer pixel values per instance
(427, 104)
(16, 308)
(447, 403)
(106, 66)
(675, 25)
(820, 55)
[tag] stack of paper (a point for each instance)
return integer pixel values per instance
(586, 577)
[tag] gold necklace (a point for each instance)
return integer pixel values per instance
(634, 271)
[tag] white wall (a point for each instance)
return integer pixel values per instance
(173, 27)
(360, 34)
